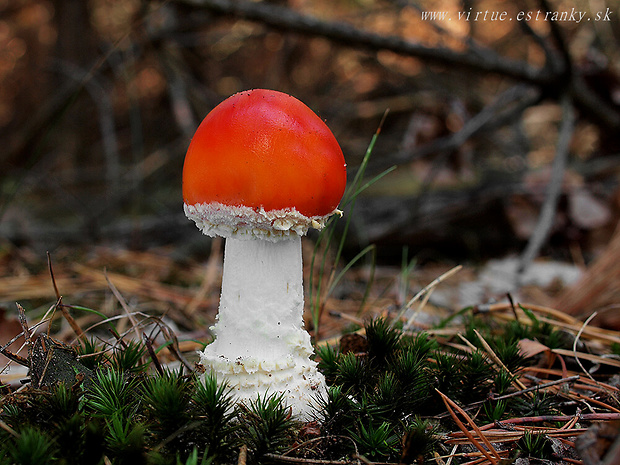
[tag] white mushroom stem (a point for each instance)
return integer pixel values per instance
(260, 344)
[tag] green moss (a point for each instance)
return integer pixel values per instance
(382, 403)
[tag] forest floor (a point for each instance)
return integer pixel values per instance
(135, 288)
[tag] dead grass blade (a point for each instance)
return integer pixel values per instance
(553, 317)
(499, 363)
(210, 277)
(126, 309)
(575, 342)
(143, 287)
(426, 292)
(65, 313)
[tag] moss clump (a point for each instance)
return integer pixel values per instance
(383, 403)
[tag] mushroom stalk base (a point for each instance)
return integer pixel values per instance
(260, 345)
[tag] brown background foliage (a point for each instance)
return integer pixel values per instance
(99, 99)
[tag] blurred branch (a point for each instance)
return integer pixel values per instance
(553, 60)
(101, 97)
(557, 74)
(597, 107)
(25, 144)
(41, 123)
(548, 211)
(181, 107)
(581, 93)
(504, 110)
(556, 33)
(287, 19)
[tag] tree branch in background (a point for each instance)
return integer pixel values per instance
(100, 96)
(556, 33)
(549, 207)
(557, 73)
(506, 108)
(482, 60)
(559, 78)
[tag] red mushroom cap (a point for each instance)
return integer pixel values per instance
(265, 150)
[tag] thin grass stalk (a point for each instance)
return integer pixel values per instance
(334, 282)
(316, 296)
(405, 270)
(496, 360)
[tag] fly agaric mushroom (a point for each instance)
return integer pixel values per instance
(261, 170)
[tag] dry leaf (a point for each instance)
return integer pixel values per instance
(530, 348)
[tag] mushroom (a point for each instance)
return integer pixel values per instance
(261, 170)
